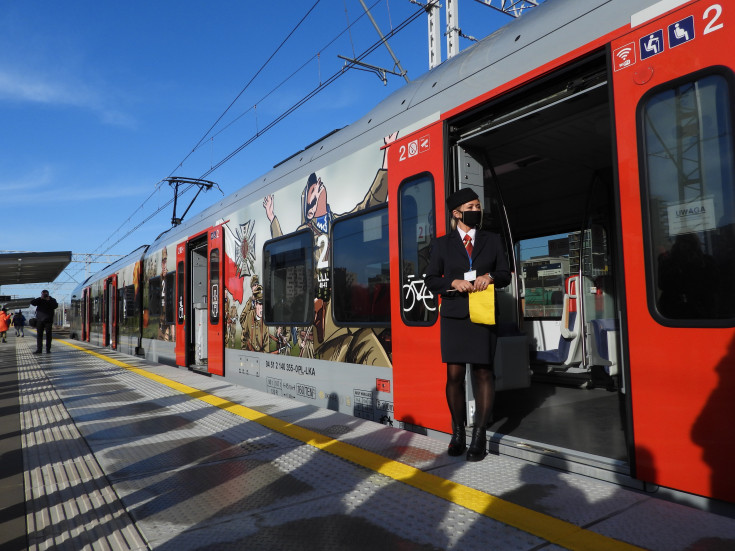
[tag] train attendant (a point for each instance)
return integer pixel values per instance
(466, 260)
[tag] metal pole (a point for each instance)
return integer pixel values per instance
(395, 60)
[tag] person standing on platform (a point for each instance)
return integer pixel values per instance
(5, 320)
(466, 260)
(19, 322)
(45, 306)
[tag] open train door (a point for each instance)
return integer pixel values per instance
(198, 320)
(215, 331)
(417, 213)
(673, 92)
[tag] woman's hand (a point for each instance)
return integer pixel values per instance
(463, 286)
(482, 282)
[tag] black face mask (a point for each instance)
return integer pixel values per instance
(472, 218)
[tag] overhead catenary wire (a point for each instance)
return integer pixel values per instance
(410, 19)
(263, 66)
(253, 108)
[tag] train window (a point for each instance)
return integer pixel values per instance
(688, 179)
(214, 286)
(169, 292)
(416, 230)
(288, 265)
(546, 263)
(180, 293)
(361, 268)
(154, 297)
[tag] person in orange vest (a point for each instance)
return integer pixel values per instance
(4, 324)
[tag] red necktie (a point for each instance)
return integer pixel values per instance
(468, 245)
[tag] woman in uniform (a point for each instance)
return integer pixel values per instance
(464, 261)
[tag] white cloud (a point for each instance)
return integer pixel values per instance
(28, 88)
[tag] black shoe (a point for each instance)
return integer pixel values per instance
(36, 351)
(458, 443)
(478, 446)
(48, 352)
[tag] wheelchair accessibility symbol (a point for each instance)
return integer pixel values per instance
(681, 32)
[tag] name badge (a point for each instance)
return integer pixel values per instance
(471, 275)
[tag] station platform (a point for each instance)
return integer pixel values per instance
(104, 451)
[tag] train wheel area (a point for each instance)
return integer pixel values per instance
(121, 453)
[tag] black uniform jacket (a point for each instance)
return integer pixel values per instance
(449, 261)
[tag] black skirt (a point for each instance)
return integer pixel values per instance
(465, 342)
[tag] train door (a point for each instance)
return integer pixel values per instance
(215, 331)
(109, 309)
(674, 89)
(181, 301)
(85, 314)
(545, 157)
(199, 323)
(416, 202)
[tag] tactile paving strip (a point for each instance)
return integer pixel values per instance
(69, 502)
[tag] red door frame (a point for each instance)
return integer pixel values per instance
(181, 298)
(418, 373)
(671, 386)
(216, 318)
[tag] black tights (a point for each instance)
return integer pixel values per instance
(483, 387)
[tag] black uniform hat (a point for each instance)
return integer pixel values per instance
(459, 198)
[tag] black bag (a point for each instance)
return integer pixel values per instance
(32, 322)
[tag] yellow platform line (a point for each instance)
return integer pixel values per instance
(554, 530)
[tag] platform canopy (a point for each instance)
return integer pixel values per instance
(22, 268)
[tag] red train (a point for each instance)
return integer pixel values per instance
(599, 136)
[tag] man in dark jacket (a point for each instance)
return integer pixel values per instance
(45, 306)
(19, 322)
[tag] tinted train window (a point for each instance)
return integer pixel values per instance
(180, 293)
(416, 226)
(169, 292)
(545, 264)
(688, 182)
(154, 296)
(361, 268)
(214, 286)
(288, 267)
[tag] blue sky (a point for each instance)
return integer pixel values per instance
(100, 101)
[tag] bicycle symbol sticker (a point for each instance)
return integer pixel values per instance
(415, 290)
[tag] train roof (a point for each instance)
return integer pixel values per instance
(543, 34)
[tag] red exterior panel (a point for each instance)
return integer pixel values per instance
(681, 378)
(418, 373)
(215, 279)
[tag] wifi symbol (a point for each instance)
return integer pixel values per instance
(623, 53)
(625, 56)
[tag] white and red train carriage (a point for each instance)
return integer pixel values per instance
(599, 135)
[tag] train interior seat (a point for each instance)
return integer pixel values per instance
(568, 351)
(601, 344)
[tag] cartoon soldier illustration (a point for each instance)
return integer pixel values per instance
(231, 320)
(249, 304)
(282, 339)
(332, 342)
(306, 342)
(254, 332)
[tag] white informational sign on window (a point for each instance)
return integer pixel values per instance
(372, 229)
(692, 216)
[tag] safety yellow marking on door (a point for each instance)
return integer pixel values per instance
(554, 530)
